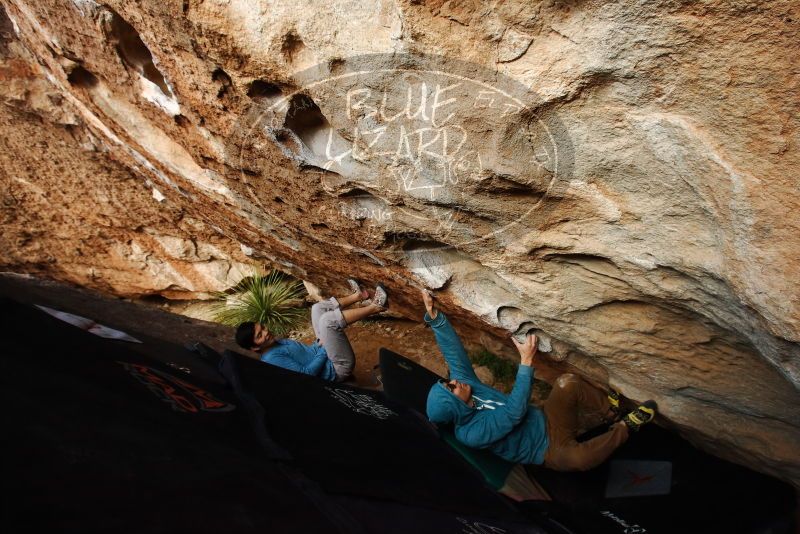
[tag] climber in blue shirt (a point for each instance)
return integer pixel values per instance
(484, 418)
(330, 356)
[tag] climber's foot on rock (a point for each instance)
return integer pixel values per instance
(615, 408)
(642, 415)
(357, 288)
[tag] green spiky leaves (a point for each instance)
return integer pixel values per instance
(273, 300)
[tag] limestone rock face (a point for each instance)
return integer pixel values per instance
(619, 178)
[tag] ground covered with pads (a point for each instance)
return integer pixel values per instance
(108, 435)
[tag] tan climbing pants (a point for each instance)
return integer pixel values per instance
(570, 396)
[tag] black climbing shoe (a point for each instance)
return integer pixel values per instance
(641, 415)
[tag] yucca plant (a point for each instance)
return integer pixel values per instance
(272, 300)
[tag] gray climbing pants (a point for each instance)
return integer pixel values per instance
(329, 325)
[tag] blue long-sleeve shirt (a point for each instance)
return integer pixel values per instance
(504, 424)
(295, 356)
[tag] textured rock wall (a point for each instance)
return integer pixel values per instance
(621, 178)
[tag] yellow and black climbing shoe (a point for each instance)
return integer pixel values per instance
(613, 401)
(642, 415)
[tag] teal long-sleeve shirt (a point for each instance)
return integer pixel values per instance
(299, 357)
(505, 424)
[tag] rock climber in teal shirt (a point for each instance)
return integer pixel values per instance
(485, 418)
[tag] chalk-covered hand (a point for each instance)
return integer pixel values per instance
(527, 350)
(430, 307)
